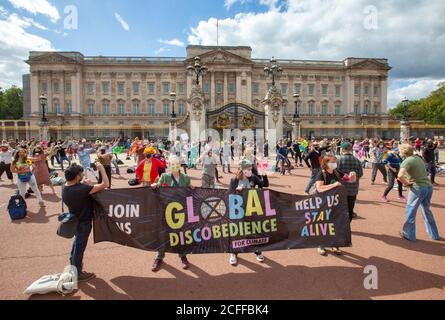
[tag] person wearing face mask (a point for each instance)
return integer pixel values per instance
(312, 160)
(245, 179)
(429, 158)
(413, 175)
(5, 162)
(173, 179)
(330, 178)
(148, 170)
(377, 154)
(40, 169)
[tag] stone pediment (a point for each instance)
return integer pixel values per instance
(220, 56)
(370, 64)
(52, 58)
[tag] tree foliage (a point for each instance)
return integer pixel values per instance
(11, 103)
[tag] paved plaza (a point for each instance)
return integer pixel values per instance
(30, 249)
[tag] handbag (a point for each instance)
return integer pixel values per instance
(68, 223)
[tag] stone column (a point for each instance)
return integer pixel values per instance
(213, 92)
(49, 104)
(239, 95)
(405, 130)
(383, 95)
(35, 93)
(225, 91)
(249, 89)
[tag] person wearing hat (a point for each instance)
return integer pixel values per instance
(245, 179)
(348, 163)
(148, 169)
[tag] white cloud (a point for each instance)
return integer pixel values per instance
(43, 7)
(161, 50)
(121, 20)
(411, 89)
(272, 4)
(16, 43)
(25, 22)
(334, 30)
(173, 42)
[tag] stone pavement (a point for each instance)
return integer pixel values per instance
(31, 248)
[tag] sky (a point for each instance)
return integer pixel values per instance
(410, 33)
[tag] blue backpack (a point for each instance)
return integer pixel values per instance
(17, 207)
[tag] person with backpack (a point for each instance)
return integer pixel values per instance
(348, 163)
(392, 163)
(5, 162)
(76, 194)
(174, 179)
(22, 167)
(330, 178)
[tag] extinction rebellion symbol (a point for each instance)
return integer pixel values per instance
(213, 209)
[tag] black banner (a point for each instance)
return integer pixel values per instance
(181, 220)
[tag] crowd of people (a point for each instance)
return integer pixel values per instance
(409, 166)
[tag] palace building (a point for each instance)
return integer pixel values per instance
(103, 97)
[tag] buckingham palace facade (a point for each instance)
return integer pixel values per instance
(103, 97)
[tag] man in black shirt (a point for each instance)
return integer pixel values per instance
(430, 161)
(313, 162)
(77, 196)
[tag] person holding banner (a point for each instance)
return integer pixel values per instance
(173, 179)
(330, 178)
(245, 179)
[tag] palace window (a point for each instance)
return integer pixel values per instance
(337, 131)
(90, 108)
(121, 88)
(324, 89)
(135, 87)
(231, 88)
(69, 108)
(324, 108)
(151, 88)
(166, 109)
(356, 109)
(311, 108)
(337, 109)
(207, 88)
(311, 90)
(121, 108)
(255, 88)
(356, 90)
(151, 108)
(56, 87)
(90, 88)
(136, 108)
(337, 91)
(285, 110)
(166, 88)
(57, 108)
(376, 108)
(366, 90)
(219, 88)
(181, 109)
(324, 132)
(376, 90)
(44, 87)
(366, 109)
(105, 87)
(181, 88)
(68, 87)
(297, 89)
(283, 87)
(106, 108)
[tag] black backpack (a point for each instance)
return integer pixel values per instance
(17, 207)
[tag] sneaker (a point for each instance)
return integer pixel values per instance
(85, 276)
(336, 251)
(233, 260)
(42, 204)
(260, 257)
(385, 199)
(156, 265)
(321, 251)
(185, 263)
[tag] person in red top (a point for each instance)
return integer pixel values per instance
(148, 169)
(418, 144)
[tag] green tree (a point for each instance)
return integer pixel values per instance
(11, 103)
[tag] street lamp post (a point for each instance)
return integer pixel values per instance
(197, 70)
(173, 117)
(273, 71)
(43, 124)
(404, 124)
(296, 118)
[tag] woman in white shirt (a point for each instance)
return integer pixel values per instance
(5, 162)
